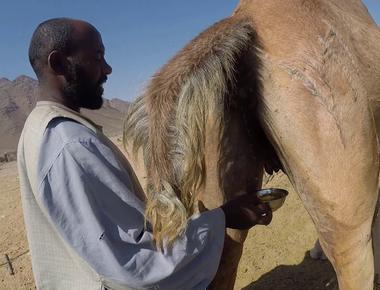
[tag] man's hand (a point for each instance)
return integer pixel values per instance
(246, 211)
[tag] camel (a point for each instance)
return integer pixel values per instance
(280, 84)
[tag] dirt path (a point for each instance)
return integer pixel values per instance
(275, 257)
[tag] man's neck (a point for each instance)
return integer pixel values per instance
(52, 94)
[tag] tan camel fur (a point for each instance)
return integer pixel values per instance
(281, 84)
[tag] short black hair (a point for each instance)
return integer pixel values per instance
(52, 34)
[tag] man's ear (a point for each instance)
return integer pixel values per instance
(57, 62)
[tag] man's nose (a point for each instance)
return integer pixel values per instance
(107, 68)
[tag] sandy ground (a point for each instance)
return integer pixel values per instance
(13, 239)
(275, 257)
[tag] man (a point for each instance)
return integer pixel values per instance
(83, 208)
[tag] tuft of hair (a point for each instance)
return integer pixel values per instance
(52, 34)
(168, 121)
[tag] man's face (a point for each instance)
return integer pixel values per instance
(87, 72)
(82, 89)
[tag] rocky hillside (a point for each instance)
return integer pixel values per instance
(18, 97)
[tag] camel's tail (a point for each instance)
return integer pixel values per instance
(168, 121)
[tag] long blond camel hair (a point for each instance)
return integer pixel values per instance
(168, 120)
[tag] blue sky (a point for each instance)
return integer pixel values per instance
(139, 36)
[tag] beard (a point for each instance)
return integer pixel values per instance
(81, 91)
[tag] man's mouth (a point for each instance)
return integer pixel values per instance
(102, 81)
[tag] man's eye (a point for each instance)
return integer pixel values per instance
(99, 56)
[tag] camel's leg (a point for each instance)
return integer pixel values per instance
(317, 253)
(329, 148)
(233, 167)
(376, 244)
(233, 248)
(376, 221)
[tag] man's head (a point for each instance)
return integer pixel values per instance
(68, 55)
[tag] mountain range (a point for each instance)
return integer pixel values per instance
(18, 98)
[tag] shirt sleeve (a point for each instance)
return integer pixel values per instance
(87, 196)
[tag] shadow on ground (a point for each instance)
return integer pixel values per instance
(308, 275)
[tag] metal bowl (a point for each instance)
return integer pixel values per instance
(274, 197)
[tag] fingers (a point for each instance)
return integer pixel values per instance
(264, 214)
(265, 218)
(262, 211)
(245, 212)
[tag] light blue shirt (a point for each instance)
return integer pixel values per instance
(88, 195)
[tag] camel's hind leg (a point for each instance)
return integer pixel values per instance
(233, 168)
(376, 222)
(329, 150)
(376, 244)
